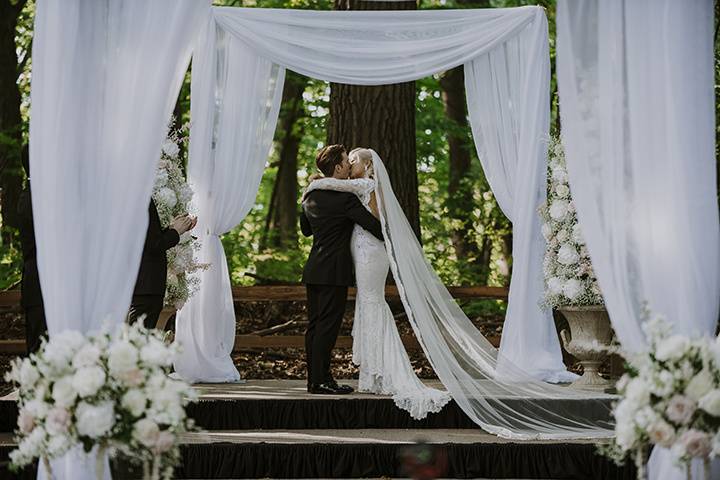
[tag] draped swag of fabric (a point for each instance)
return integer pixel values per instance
(106, 74)
(238, 71)
(637, 104)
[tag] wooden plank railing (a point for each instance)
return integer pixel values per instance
(10, 301)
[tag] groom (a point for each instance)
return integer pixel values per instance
(330, 216)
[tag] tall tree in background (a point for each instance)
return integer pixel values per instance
(281, 221)
(382, 118)
(11, 137)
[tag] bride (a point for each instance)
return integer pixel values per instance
(385, 368)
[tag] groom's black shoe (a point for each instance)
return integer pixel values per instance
(330, 389)
(344, 388)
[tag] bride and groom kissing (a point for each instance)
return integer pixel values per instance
(343, 215)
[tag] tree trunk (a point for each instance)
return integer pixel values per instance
(382, 118)
(281, 221)
(460, 185)
(11, 141)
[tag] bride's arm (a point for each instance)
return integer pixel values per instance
(373, 206)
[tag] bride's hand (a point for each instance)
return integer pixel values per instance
(315, 176)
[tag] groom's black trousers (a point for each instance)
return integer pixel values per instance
(326, 307)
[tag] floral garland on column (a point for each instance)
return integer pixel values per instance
(110, 390)
(569, 276)
(173, 197)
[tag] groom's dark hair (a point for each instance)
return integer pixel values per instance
(328, 157)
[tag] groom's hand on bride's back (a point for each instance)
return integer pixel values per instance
(359, 214)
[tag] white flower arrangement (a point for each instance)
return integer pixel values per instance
(111, 390)
(569, 276)
(172, 196)
(670, 397)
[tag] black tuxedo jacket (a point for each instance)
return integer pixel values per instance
(330, 216)
(30, 293)
(152, 277)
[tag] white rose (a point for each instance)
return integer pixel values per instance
(94, 421)
(487, 196)
(577, 234)
(72, 339)
(186, 193)
(170, 148)
(29, 375)
(134, 401)
(672, 347)
(555, 285)
(625, 411)
(572, 288)
(88, 380)
(662, 384)
(546, 231)
(146, 432)
(661, 433)
(122, 357)
(625, 435)
(58, 421)
(161, 178)
(558, 209)
(166, 196)
(710, 402)
(562, 191)
(86, 356)
(696, 444)
(155, 353)
(645, 417)
(568, 255)
(716, 445)
(637, 391)
(700, 384)
(59, 444)
(164, 442)
(562, 235)
(56, 357)
(37, 408)
(25, 421)
(680, 409)
(559, 175)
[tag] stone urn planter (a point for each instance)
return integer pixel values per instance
(588, 340)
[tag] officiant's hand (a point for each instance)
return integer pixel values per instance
(183, 223)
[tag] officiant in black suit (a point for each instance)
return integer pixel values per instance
(31, 299)
(329, 216)
(149, 293)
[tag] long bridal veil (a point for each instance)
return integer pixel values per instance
(513, 406)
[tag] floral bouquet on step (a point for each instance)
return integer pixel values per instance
(670, 397)
(109, 390)
(172, 196)
(569, 276)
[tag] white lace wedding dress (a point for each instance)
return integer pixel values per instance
(385, 367)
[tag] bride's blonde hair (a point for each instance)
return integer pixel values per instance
(366, 157)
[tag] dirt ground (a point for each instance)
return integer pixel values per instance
(286, 363)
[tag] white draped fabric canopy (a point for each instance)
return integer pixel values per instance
(637, 103)
(237, 76)
(106, 75)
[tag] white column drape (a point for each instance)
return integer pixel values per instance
(236, 99)
(385, 47)
(105, 78)
(636, 91)
(508, 93)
